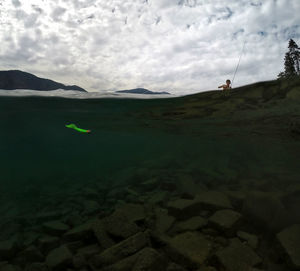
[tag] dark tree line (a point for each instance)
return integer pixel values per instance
(291, 62)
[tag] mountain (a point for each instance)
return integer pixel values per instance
(141, 91)
(15, 79)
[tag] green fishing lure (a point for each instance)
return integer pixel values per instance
(73, 126)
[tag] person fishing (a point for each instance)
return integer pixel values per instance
(227, 86)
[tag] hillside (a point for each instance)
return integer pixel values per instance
(140, 91)
(15, 79)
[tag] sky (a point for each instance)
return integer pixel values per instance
(179, 46)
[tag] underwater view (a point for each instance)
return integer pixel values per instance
(149, 135)
(208, 181)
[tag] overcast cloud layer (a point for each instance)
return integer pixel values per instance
(179, 46)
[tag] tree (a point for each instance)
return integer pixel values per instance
(291, 61)
(294, 51)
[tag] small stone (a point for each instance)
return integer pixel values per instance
(207, 268)
(102, 236)
(225, 220)
(134, 212)
(90, 207)
(8, 248)
(251, 239)
(210, 232)
(189, 249)
(79, 261)
(264, 209)
(47, 216)
(183, 208)
(37, 267)
(32, 254)
(163, 221)
(55, 228)
(289, 239)
(221, 240)
(149, 259)
(10, 267)
(90, 193)
(213, 200)
(237, 256)
(158, 197)
(80, 232)
(30, 237)
(121, 250)
(112, 225)
(88, 251)
(192, 224)
(149, 184)
(47, 243)
(175, 267)
(74, 245)
(59, 258)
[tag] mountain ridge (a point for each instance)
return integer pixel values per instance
(16, 79)
(140, 91)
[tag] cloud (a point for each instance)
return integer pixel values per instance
(180, 46)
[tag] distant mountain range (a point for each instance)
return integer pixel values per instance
(141, 91)
(15, 79)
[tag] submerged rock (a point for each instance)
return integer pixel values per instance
(251, 239)
(32, 254)
(289, 240)
(8, 248)
(80, 232)
(163, 221)
(237, 256)
(175, 267)
(119, 225)
(264, 209)
(55, 228)
(46, 243)
(102, 236)
(189, 249)
(192, 224)
(134, 212)
(121, 250)
(149, 259)
(59, 258)
(213, 200)
(225, 220)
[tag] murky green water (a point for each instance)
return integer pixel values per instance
(37, 150)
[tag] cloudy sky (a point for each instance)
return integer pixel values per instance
(180, 46)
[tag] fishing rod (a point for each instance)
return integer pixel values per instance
(238, 63)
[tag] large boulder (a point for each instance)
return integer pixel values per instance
(225, 220)
(189, 249)
(112, 225)
(213, 200)
(237, 256)
(289, 240)
(206, 200)
(264, 209)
